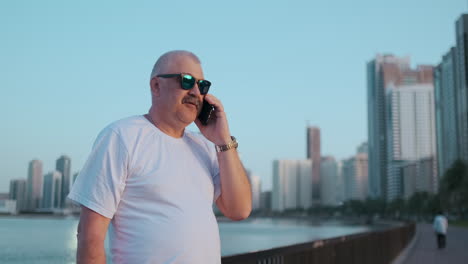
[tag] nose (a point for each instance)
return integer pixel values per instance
(195, 90)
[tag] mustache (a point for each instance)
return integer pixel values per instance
(191, 100)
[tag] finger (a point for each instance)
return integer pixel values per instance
(219, 114)
(211, 99)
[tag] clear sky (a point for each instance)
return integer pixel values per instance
(69, 68)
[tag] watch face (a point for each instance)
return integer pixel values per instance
(234, 142)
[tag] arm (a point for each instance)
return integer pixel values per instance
(235, 201)
(92, 230)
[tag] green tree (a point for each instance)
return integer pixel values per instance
(433, 205)
(417, 204)
(396, 208)
(454, 189)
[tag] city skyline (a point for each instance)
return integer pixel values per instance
(68, 71)
(43, 190)
(417, 120)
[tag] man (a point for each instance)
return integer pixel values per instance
(155, 182)
(440, 228)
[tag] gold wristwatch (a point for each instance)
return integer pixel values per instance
(231, 145)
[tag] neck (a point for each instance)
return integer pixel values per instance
(166, 126)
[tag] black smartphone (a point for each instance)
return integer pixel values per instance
(205, 114)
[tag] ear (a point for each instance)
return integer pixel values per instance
(155, 88)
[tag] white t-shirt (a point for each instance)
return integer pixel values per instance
(158, 191)
(440, 224)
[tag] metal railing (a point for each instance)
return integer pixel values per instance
(375, 247)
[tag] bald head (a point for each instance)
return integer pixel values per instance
(167, 58)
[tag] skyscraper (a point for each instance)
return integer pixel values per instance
(451, 100)
(255, 186)
(348, 174)
(18, 192)
(461, 71)
(304, 184)
(355, 174)
(34, 184)
(362, 176)
(265, 200)
(314, 154)
(410, 126)
(74, 177)
(52, 194)
(291, 185)
(63, 165)
(411, 121)
(381, 72)
(363, 148)
(330, 182)
(445, 91)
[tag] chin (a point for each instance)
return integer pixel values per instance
(187, 118)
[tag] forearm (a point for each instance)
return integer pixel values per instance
(235, 187)
(236, 198)
(90, 252)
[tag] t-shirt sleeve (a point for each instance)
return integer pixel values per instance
(215, 175)
(100, 184)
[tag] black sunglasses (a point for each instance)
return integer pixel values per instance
(187, 81)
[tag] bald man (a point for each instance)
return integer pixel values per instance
(155, 182)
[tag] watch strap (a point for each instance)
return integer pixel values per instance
(231, 145)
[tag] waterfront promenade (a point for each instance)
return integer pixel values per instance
(423, 249)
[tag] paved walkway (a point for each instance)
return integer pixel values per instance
(424, 247)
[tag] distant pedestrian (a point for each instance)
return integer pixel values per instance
(440, 228)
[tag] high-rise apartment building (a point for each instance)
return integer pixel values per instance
(451, 101)
(355, 176)
(34, 184)
(348, 172)
(265, 200)
(63, 165)
(314, 154)
(410, 131)
(417, 176)
(410, 122)
(461, 75)
(255, 186)
(331, 187)
(18, 192)
(363, 148)
(74, 177)
(341, 196)
(362, 176)
(382, 72)
(291, 185)
(445, 95)
(52, 194)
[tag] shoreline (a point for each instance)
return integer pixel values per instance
(313, 221)
(39, 216)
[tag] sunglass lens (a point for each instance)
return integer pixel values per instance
(187, 82)
(204, 86)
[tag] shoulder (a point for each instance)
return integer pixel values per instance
(127, 127)
(128, 123)
(122, 131)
